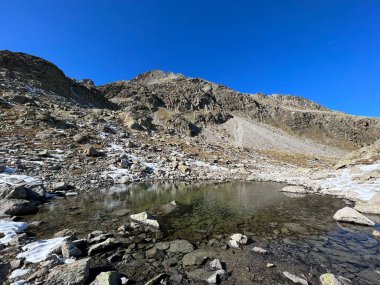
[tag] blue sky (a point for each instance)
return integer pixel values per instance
(327, 51)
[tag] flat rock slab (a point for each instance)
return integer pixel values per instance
(295, 279)
(350, 215)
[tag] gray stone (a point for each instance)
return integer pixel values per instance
(180, 246)
(197, 257)
(350, 215)
(75, 273)
(259, 250)
(295, 279)
(329, 279)
(106, 245)
(70, 250)
(17, 207)
(107, 278)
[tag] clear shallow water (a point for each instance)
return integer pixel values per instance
(297, 230)
(257, 208)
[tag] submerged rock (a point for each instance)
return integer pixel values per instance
(75, 273)
(295, 279)
(329, 279)
(350, 215)
(146, 219)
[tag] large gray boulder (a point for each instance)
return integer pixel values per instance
(17, 207)
(75, 273)
(350, 215)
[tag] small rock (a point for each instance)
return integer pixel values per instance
(91, 151)
(329, 279)
(107, 278)
(60, 186)
(216, 264)
(106, 245)
(236, 240)
(376, 233)
(270, 265)
(145, 219)
(259, 250)
(295, 279)
(80, 138)
(217, 276)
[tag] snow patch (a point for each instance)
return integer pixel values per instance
(344, 183)
(10, 230)
(14, 179)
(39, 250)
(18, 272)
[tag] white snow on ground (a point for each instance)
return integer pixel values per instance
(15, 179)
(18, 272)
(19, 282)
(344, 183)
(10, 230)
(39, 250)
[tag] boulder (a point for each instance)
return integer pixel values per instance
(329, 279)
(350, 215)
(80, 138)
(75, 273)
(17, 207)
(259, 250)
(217, 277)
(107, 278)
(91, 151)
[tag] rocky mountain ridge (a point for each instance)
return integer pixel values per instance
(175, 103)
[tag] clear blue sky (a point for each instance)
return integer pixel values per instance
(327, 51)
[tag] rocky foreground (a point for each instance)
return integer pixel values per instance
(61, 137)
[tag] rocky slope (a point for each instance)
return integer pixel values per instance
(24, 78)
(174, 101)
